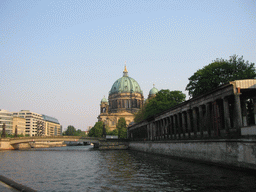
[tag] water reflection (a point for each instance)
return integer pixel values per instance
(81, 168)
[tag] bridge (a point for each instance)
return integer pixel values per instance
(51, 141)
(27, 142)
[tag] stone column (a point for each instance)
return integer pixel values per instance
(179, 125)
(158, 130)
(244, 112)
(148, 132)
(201, 120)
(164, 131)
(175, 126)
(162, 128)
(254, 109)
(237, 112)
(183, 124)
(154, 130)
(194, 121)
(170, 127)
(208, 119)
(226, 115)
(188, 123)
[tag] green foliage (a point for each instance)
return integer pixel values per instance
(121, 127)
(164, 100)
(219, 72)
(139, 116)
(71, 131)
(114, 132)
(97, 130)
(12, 135)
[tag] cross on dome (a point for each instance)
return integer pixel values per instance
(125, 71)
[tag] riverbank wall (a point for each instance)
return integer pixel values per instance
(111, 144)
(239, 153)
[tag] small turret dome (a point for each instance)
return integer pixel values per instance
(104, 100)
(153, 91)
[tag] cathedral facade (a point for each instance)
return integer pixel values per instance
(124, 100)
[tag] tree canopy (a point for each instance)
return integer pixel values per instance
(220, 72)
(97, 130)
(121, 127)
(71, 131)
(163, 100)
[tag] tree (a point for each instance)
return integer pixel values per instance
(16, 131)
(71, 131)
(114, 132)
(121, 127)
(219, 72)
(3, 131)
(97, 130)
(163, 100)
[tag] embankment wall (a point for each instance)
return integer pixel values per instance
(237, 153)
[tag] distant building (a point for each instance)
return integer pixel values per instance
(89, 128)
(86, 132)
(31, 121)
(6, 118)
(21, 125)
(51, 126)
(124, 100)
(152, 92)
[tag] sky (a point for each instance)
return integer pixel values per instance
(60, 58)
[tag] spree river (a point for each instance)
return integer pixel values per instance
(82, 168)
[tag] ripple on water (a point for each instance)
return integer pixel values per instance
(84, 169)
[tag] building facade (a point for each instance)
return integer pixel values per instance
(6, 118)
(31, 121)
(52, 126)
(20, 124)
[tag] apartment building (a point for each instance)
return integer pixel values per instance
(6, 118)
(52, 126)
(20, 123)
(32, 119)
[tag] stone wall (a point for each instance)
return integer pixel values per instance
(113, 144)
(238, 153)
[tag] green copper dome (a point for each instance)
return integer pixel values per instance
(153, 91)
(125, 84)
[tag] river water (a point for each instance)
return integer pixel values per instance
(82, 168)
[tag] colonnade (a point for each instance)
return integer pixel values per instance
(220, 114)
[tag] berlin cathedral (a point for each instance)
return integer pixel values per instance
(124, 100)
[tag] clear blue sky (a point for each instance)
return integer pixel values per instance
(60, 58)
